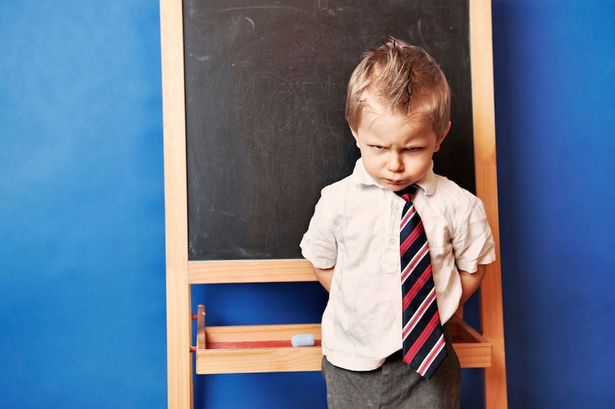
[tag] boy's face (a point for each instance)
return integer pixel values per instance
(396, 152)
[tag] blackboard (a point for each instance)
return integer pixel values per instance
(265, 94)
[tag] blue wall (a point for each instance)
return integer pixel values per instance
(554, 85)
(82, 286)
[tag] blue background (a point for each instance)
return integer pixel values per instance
(82, 279)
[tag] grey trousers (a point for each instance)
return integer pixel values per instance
(394, 385)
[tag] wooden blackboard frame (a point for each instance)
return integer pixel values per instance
(182, 273)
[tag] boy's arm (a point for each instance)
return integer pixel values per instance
(469, 284)
(324, 276)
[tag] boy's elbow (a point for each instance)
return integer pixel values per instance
(324, 276)
(472, 279)
(322, 271)
(480, 271)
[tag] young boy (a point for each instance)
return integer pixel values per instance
(398, 247)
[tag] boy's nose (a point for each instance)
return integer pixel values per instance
(395, 163)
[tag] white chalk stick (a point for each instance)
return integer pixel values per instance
(302, 340)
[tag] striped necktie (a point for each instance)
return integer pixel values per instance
(423, 340)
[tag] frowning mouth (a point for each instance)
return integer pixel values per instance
(395, 182)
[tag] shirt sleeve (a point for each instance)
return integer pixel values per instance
(319, 245)
(473, 242)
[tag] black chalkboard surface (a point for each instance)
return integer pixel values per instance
(265, 95)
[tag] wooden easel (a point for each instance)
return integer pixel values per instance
(213, 354)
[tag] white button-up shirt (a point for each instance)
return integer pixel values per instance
(355, 227)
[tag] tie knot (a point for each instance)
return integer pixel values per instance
(408, 193)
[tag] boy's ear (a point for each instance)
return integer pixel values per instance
(442, 137)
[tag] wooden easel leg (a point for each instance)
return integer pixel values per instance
(179, 322)
(191, 384)
(495, 378)
(492, 320)
(492, 323)
(179, 358)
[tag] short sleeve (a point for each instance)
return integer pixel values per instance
(473, 242)
(319, 245)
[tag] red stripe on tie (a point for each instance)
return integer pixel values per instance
(417, 286)
(417, 259)
(421, 339)
(419, 314)
(407, 217)
(411, 238)
(432, 356)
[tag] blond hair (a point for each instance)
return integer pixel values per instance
(397, 74)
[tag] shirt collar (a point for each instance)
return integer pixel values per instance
(361, 177)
